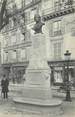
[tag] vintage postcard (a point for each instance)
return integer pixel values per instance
(37, 58)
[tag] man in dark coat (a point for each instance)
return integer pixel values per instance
(4, 85)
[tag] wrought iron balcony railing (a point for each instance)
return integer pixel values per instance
(58, 11)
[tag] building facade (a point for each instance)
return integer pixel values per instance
(59, 29)
(15, 38)
(59, 18)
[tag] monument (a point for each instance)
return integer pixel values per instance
(36, 95)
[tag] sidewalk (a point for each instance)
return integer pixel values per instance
(62, 94)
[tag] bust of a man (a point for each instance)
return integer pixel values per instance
(38, 26)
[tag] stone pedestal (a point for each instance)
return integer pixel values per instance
(38, 71)
(37, 91)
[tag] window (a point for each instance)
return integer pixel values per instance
(57, 28)
(56, 5)
(14, 55)
(27, 16)
(11, 24)
(15, 21)
(18, 3)
(59, 4)
(5, 43)
(57, 50)
(13, 38)
(18, 36)
(23, 3)
(5, 56)
(27, 2)
(23, 54)
(33, 12)
(6, 40)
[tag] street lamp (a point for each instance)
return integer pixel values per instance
(67, 83)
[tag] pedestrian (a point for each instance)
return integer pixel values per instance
(4, 85)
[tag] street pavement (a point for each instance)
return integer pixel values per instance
(7, 109)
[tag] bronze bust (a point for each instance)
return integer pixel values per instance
(38, 26)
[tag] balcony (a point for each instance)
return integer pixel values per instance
(58, 11)
(21, 45)
(20, 11)
(34, 2)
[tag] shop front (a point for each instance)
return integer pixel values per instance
(15, 72)
(59, 72)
